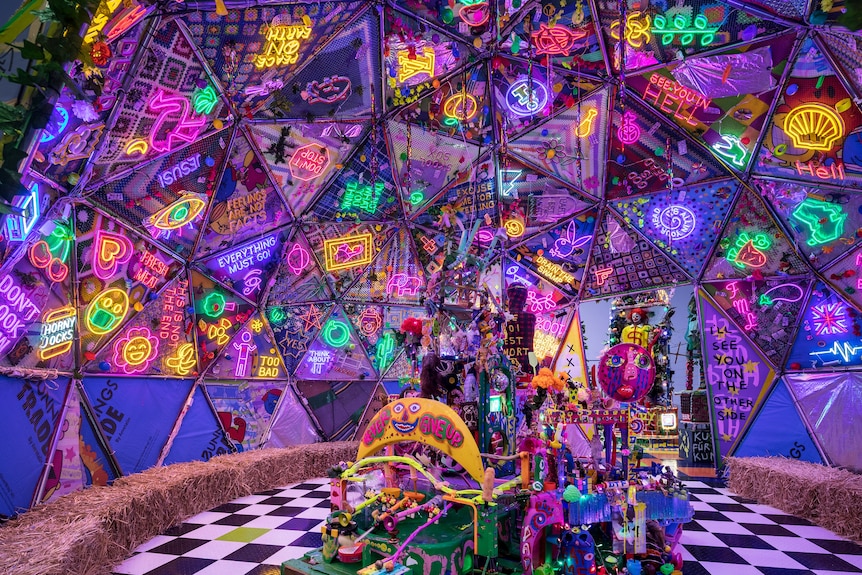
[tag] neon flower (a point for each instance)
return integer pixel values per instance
(135, 350)
(830, 318)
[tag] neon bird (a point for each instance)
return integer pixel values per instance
(730, 148)
(345, 253)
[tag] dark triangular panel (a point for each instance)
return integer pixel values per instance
(683, 223)
(246, 202)
(395, 276)
(337, 354)
(766, 310)
(622, 261)
(830, 333)
(845, 275)
(753, 243)
(814, 134)
(299, 277)
(337, 406)
(199, 437)
(470, 197)
(244, 409)
(294, 329)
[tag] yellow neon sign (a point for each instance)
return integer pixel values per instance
(637, 31)
(183, 360)
(106, 311)
(347, 252)
(814, 127)
(282, 44)
(585, 127)
(552, 271)
(408, 68)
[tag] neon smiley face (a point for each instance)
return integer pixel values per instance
(107, 311)
(626, 372)
(402, 412)
(135, 350)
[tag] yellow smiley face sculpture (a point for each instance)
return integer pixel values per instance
(428, 422)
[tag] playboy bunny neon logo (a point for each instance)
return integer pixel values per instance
(567, 243)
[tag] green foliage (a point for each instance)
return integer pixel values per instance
(852, 16)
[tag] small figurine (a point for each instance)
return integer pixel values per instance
(638, 332)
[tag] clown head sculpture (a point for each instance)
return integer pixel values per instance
(626, 372)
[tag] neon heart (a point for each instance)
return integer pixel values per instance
(110, 251)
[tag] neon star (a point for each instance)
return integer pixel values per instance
(312, 318)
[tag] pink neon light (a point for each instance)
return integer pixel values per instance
(829, 318)
(136, 350)
(629, 132)
(744, 310)
(602, 275)
(109, 251)
(298, 259)
(792, 299)
(403, 284)
(539, 303)
(187, 128)
(734, 290)
(483, 236)
(345, 253)
(859, 259)
(244, 348)
(41, 257)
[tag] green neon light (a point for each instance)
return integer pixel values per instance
(59, 242)
(385, 351)
(204, 100)
(825, 221)
(417, 198)
(214, 304)
(765, 300)
(732, 150)
(276, 315)
(329, 333)
(748, 250)
(679, 25)
(361, 196)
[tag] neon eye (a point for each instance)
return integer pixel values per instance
(643, 361)
(415, 407)
(614, 361)
(178, 213)
(398, 407)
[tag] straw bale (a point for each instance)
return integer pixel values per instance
(826, 496)
(88, 532)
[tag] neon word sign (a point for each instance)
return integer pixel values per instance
(243, 258)
(336, 333)
(282, 44)
(327, 91)
(629, 132)
(824, 220)
(57, 332)
(766, 300)
(17, 309)
(461, 107)
(244, 348)
(731, 149)
(19, 226)
(319, 359)
(298, 259)
(106, 311)
(539, 303)
(675, 221)
(829, 318)
(556, 39)
(362, 196)
(177, 214)
(526, 97)
(747, 251)
(110, 250)
(269, 366)
(151, 271)
(673, 93)
(814, 127)
(180, 170)
(602, 275)
(308, 162)
(411, 64)
(265, 88)
(135, 351)
(743, 307)
(187, 127)
(403, 285)
(247, 209)
(552, 271)
(183, 361)
(545, 344)
(834, 171)
(173, 303)
(347, 252)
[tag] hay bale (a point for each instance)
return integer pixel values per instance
(89, 532)
(826, 496)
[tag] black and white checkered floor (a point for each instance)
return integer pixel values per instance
(253, 535)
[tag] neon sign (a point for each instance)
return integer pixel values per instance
(556, 39)
(568, 242)
(106, 312)
(347, 252)
(110, 250)
(298, 259)
(214, 305)
(370, 321)
(137, 147)
(251, 282)
(173, 305)
(244, 348)
(308, 162)
(629, 132)
(19, 226)
(674, 93)
(180, 170)
(135, 350)
(766, 300)
(461, 107)
(335, 333)
(747, 251)
(824, 220)
(687, 30)
(474, 13)
(814, 127)
(675, 221)
(57, 332)
(126, 20)
(743, 307)
(264, 89)
(514, 228)
(183, 361)
(829, 318)
(186, 129)
(585, 126)
(311, 318)
(526, 97)
(539, 303)
(269, 366)
(47, 135)
(552, 271)
(327, 91)
(412, 64)
(834, 171)
(403, 284)
(385, 350)
(362, 196)
(17, 310)
(731, 149)
(177, 214)
(282, 44)
(244, 257)
(637, 29)
(602, 274)
(842, 349)
(509, 178)
(416, 198)
(319, 358)
(204, 100)
(218, 332)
